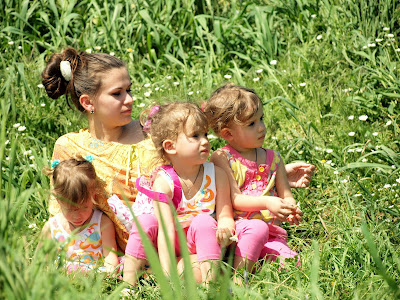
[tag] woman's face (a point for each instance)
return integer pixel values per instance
(113, 103)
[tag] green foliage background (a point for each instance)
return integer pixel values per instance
(336, 60)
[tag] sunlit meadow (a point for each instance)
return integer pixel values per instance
(328, 73)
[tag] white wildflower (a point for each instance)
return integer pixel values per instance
(40, 86)
(329, 150)
(397, 50)
(147, 85)
(390, 35)
(357, 195)
(89, 50)
(141, 105)
(344, 181)
(156, 89)
(313, 16)
(28, 152)
(350, 150)
(386, 29)
(336, 172)
(386, 186)
(227, 76)
(371, 45)
(21, 128)
(352, 133)
(398, 180)
(378, 40)
(32, 165)
(365, 47)
(318, 148)
(363, 118)
(32, 226)
(273, 62)
(256, 79)
(388, 123)
(259, 71)
(31, 157)
(112, 53)
(197, 92)
(274, 138)
(176, 83)
(375, 133)
(289, 85)
(147, 94)
(168, 77)
(319, 36)
(43, 104)
(190, 93)
(97, 48)
(364, 160)
(303, 84)
(351, 117)
(11, 42)
(359, 150)
(134, 98)
(7, 142)
(16, 125)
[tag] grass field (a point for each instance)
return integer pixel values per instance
(328, 73)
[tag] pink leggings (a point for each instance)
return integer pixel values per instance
(200, 237)
(258, 239)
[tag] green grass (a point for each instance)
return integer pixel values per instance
(337, 60)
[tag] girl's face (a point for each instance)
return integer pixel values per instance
(77, 214)
(249, 135)
(113, 103)
(195, 147)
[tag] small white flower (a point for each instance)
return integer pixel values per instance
(147, 94)
(318, 148)
(388, 123)
(393, 167)
(28, 152)
(197, 92)
(7, 142)
(319, 36)
(364, 160)
(352, 133)
(16, 125)
(273, 62)
(398, 180)
(21, 128)
(134, 98)
(156, 89)
(141, 105)
(363, 118)
(386, 29)
(289, 85)
(33, 225)
(351, 117)
(176, 83)
(274, 137)
(390, 35)
(336, 172)
(227, 76)
(357, 195)
(40, 86)
(397, 50)
(43, 104)
(7, 158)
(97, 48)
(313, 16)
(347, 90)
(359, 150)
(112, 53)
(301, 152)
(329, 150)
(31, 157)
(190, 93)
(350, 150)
(259, 71)
(386, 186)
(365, 47)
(147, 85)
(303, 84)
(284, 71)
(371, 45)
(89, 50)
(378, 40)
(256, 79)
(375, 133)
(328, 162)
(344, 181)
(32, 165)
(11, 42)
(168, 77)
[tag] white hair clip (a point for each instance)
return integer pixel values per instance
(65, 68)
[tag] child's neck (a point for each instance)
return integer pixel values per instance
(247, 153)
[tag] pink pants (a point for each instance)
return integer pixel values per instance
(258, 239)
(200, 237)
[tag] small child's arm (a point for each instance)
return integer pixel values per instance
(284, 192)
(299, 174)
(241, 202)
(109, 244)
(224, 213)
(163, 213)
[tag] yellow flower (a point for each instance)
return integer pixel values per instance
(130, 50)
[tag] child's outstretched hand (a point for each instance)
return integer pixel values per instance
(223, 236)
(280, 208)
(299, 174)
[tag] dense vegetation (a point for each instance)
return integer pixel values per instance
(328, 72)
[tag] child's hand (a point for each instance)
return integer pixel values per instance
(295, 216)
(299, 174)
(280, 208)
(223, 236)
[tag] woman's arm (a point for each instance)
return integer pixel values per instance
(163, 213)
(109, 244)
(224, 213)
(241, 202)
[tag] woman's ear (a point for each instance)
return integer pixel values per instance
(169, 147)
(226, 134)
(86, 102)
